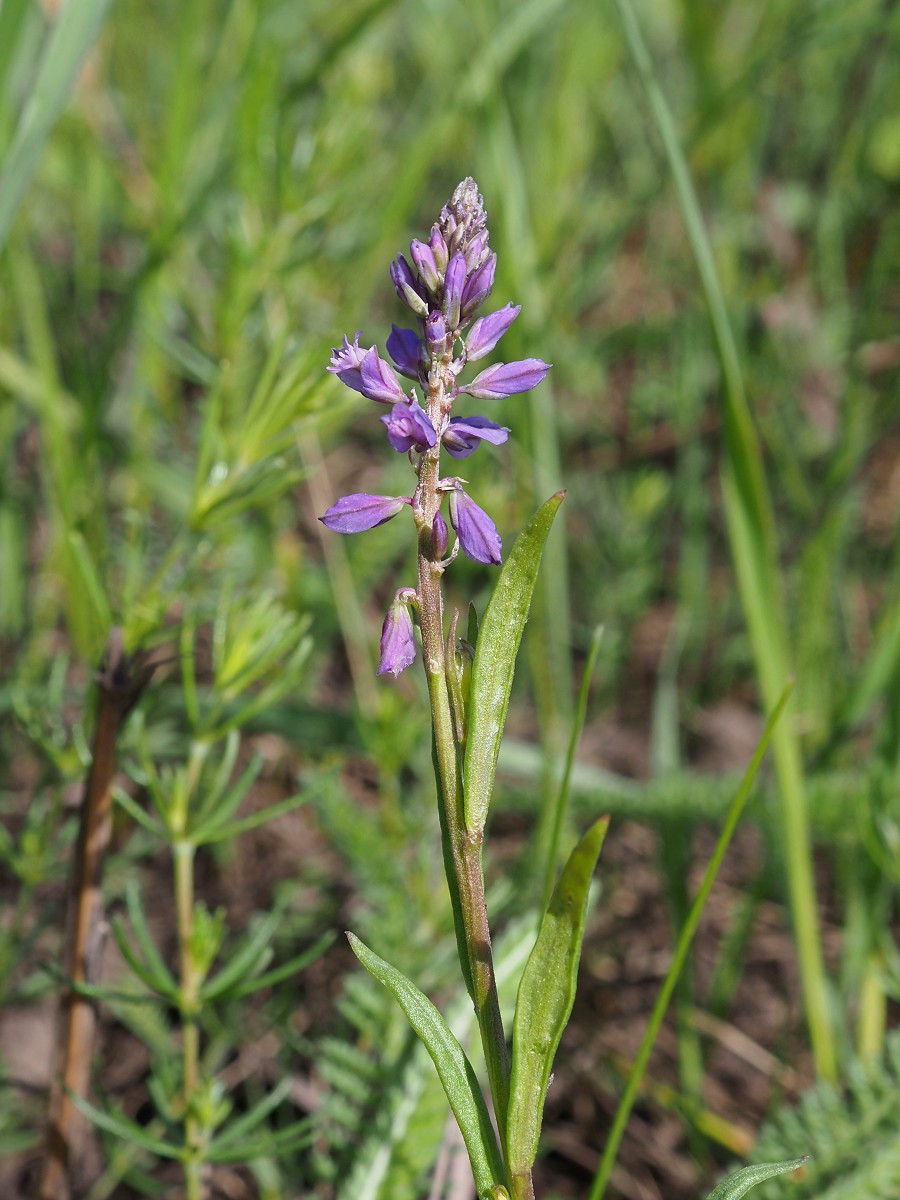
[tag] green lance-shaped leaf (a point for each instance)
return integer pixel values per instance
(495, 659)
(453, 1067)
(742, 1181)
(545, 999)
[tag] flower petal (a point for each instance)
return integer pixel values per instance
(361, 511)
(408, 427)
(462, 435)
(476, 531)
(507, 379)
(403, 347)
(345, 362)
(487, 331)
(378, 379)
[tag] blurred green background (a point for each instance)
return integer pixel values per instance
(187, 232)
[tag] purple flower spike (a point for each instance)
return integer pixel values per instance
(408, 427)
(407, 289)
(378, 380)
(487, 331)
(361, 511)
(463, 434)
(425, 265)
(476, 531)
(398, 637)
(507, 379)
(454, 282)
(345, 363)
(478, 286)
(403, 347)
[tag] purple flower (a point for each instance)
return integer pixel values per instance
(476, 531)
(487, 331)
(378, 381)
(454, 282)
(507, 379)
(361, 511)
(462, 435)
(403, 347)
(408, 427)
(398, 637)
(478, 286)
(346, 362)
(407, 289)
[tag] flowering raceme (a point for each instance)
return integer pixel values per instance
(450, 277)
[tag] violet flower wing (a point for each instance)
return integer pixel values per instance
(403, 347)
(507, 379)
(378, 379)
(463, 435)
(487, 331)
(361, 511)
(476, 531)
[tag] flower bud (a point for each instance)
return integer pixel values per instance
(398, 636)
(440, 536)
(454, 282)
(435, 332)
(407, 289)
(426, 266)
(478, 286)
(438, 248)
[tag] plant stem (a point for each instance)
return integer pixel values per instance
(462, 850)
(120, 683)
(190, 1003)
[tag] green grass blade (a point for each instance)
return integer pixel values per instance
(562, 796)
(545, 999)
(454, 1069)
(76, 31)
(742, 1181)
(495, 660)
(751, 528)
(681, 952)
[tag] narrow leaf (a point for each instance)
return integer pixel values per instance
(126, 1130)
(545, 999)
(742, 1181)
(453, 1067)
(495, 659)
